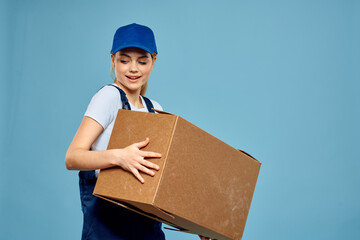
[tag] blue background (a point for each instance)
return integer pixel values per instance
(279, 79)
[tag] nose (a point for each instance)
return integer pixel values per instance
(133, 67)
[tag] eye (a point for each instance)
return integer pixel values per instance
(123, 61)
(143, 63)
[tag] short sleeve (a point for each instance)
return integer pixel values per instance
(104, 106)
(156, 105)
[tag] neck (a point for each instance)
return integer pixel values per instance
(132, 96)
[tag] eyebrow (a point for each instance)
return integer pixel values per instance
(123, 54)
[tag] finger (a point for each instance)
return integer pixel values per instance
(142, 143)
(145, 170)
(137, 175)
(150, 165)
(150, 154)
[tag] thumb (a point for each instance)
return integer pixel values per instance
(142, 143)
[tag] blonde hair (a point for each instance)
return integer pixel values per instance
(143, 87)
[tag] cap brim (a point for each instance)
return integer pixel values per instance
(113, 51)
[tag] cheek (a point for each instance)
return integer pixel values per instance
(120, 69)
(146, 70)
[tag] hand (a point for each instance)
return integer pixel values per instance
(132, 159)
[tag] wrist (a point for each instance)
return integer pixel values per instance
(115, 156)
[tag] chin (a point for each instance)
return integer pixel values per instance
(133, 87)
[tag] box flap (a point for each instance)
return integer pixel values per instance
(141, 211)
(162, 112)
(249, 155)
(165, 217)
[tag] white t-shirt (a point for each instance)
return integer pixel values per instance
(103, 108)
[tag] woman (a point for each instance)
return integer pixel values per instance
(133, 56)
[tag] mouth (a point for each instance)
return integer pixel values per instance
(133, 78)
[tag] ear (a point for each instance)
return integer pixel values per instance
(112, 59)
(154, 57)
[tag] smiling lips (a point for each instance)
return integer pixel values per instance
(133, 78)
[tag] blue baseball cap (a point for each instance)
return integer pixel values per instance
(134, 35)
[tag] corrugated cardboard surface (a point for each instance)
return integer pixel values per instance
(204, 185)
(134, 129)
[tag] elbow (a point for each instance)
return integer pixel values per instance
(68, 166)
(68, 162)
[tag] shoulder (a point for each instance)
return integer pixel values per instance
(107, 92)
(106, 97)
(104, 105)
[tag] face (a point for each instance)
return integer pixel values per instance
(132, 68)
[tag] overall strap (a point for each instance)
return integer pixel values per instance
(124, 100)
(126, 104)
(149, 104)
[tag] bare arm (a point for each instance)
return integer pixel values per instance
(131, 158)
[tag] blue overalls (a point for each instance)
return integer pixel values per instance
(107, 221)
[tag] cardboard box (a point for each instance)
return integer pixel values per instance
(204, 186)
